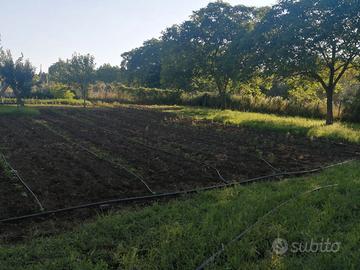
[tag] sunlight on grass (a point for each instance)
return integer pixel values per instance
(296, 125)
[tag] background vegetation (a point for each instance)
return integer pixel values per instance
(296, 58)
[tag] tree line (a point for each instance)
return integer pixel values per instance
(222, 47)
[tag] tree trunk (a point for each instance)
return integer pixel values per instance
(84, 95)
(19, 102)
(329, 107)
(223, 100)
(222, 96)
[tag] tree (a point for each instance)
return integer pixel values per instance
(178, 59)
(216, 37)
(108, 73)
(58, 72)
(17, 74)
(82, 72)
(79, 70)
(316, 39)
(3, 85)
(141, 66)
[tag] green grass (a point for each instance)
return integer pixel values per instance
(16, 111)
(297, 125)
(180, 234)
(48, 102)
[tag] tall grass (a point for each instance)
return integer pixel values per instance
(262, 104)
(149, 96)
(140, 95)
(297, 125)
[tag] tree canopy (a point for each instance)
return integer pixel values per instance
(16, 74)
(141, 66)
(317, 39)
(108, 73)
(212, 45)
(79, 70)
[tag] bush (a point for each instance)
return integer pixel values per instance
(259, 103)
(52, 91)
(351, 110)
(276, 105)
(140, 95)
(61, 91)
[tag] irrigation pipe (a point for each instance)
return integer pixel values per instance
(212, 258)
(164, 195)
(21, 180)
(116, 164)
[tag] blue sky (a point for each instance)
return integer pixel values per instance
(45, 30)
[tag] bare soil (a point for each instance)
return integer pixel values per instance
(71, 156)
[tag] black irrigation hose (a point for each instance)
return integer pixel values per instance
(269, 164)
(16, 174)
(116, 164)
(166, 195)
(216, 254)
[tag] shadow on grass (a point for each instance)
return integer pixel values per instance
(339, 131)
(194, 113)
(260, 124)
(278, 127)
(18, 111)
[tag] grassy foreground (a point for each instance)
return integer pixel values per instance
(299, 125)
(180, 234)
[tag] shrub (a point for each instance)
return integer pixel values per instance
(61, 91)
(52, 91)
(139, 95)
(294, 106)
(351, 110)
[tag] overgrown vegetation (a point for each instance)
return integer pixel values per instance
(296, 125)
(183, 233)
(258, 102)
